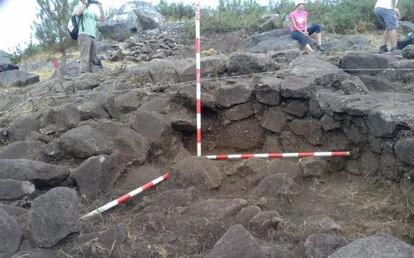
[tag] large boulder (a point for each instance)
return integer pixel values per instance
(17, 78)
(132, 17)
(10, 235)
(274, 119)
(404, 150)
(247, 63)
(407, 26)
(132, 145)
(311, 130)
(4, 58)
(236, 242)
(267, 90)
(31, 150)
(347, 43)
(37, 172)
(272, 40)
(202, 173)
(379, 246)
(408, 52)
(232, 94)
(21, 128)
(86, 141)
(365, 63)
(98, 106)
(153, 126)
(63, 117)
(89, 176)
(312, 66)
(54, 216)
(322, 245)
(12, 189)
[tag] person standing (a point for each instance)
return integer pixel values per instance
(88, 17)
(299, 27)
(389, 16)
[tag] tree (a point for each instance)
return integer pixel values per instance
(50, 29)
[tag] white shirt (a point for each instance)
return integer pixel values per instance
(387, 4)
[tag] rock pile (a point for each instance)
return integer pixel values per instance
(146, 47)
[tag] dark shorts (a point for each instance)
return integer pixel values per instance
(303, 40)
(387, 17)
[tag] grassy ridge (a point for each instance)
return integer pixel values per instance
(337, 16)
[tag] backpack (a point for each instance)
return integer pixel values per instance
(73, 26)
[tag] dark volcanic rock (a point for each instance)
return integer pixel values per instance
(322, 245)
(132, 17)
(37, 172)
(10, 235)
(64, 118)
(154, 127)
(23, 150)
(313, 167)
(246, 214)
(86, 141)
(379, 246)
(310, 129)
(89, 174)
(248, 63)
(230, 95)
(17, 78)
(54, 216)
(404, 149)
(21, 128)
(199, 172)
(273, 119)
(296, 87)
(12, 189)
(267, 91)
(235, 243)
(366, 63)
(132, 145)
(239, 112)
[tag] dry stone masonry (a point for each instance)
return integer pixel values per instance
(64, 156)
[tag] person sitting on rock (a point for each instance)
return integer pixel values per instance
(389, 16)
(87, 33)
(299, 27)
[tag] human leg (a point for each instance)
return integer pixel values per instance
(93, 59)
(316, 31)
(84, 44)
(389, 19)
(303, 40)
(393, 38)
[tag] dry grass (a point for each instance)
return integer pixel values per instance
(45, 73)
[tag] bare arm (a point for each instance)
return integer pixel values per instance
(79, 11)
(101, 13)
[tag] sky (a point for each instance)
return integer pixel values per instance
(17, 17)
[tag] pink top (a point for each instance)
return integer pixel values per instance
(300, 18)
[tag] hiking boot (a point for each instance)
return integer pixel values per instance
(383, 49)
(320, 48)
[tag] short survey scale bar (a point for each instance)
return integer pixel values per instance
(280, 155)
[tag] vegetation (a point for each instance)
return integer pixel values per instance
(53, 18)
(336, 16)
